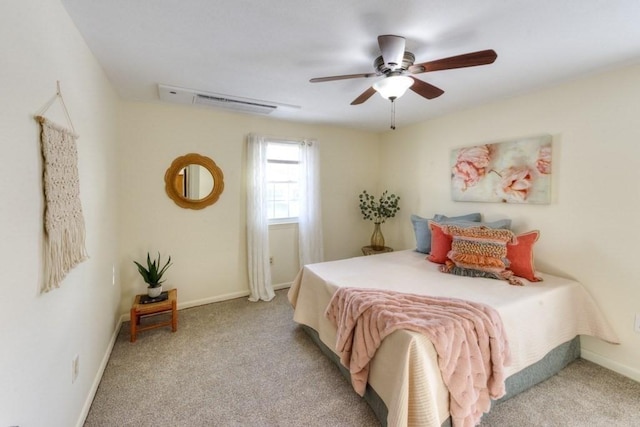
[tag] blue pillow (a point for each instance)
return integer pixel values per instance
(475, 217)
(423, 233)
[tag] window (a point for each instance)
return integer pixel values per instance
(283, 169)
(283, 185)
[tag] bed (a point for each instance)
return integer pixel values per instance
(543, 321)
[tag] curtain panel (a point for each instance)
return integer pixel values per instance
(259, 269)
(310, 244)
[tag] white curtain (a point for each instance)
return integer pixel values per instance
(309, 218)
(260, 287)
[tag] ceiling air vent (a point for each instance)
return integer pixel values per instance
(233, 104)
(216, 100)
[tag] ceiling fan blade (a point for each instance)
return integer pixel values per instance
(425, 89)
(392, 48)
(343, 77)
(364, 96)
(473, 59)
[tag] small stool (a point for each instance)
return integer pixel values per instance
(138, 310)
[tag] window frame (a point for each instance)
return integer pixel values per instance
(283, 220)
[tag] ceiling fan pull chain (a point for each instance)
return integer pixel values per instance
(393, 114)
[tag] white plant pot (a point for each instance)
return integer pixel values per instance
(154, 292)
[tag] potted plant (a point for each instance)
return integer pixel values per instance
(152, 275)
(378, 211)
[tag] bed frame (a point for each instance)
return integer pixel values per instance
(556, 360)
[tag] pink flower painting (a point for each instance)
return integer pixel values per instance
(515, 184)
(517, 171)
(544, 160)
(471, 165)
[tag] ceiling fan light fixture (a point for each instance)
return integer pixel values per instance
(393, 87)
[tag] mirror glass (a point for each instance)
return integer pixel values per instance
(194, 181)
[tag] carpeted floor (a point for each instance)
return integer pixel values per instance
(237, 363)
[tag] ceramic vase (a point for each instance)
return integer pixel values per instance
(154, 292)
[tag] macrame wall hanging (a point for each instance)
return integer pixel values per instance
(64, 245)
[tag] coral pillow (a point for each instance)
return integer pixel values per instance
(440, 243)
(520, 256)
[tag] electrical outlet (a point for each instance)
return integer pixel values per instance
(636, 326)
(75, 368)
(270, 260)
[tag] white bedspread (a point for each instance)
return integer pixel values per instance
(537, 318)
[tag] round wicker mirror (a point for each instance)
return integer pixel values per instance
(194, 181)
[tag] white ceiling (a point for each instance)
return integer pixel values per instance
(268, 50)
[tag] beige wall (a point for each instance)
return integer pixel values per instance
(283, 248)
(208, 246)
(590, 230)
(41, 333)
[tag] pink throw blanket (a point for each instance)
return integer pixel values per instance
(469, 338)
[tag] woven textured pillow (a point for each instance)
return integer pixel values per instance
(479, 252)
(520, 256)
(441, 242)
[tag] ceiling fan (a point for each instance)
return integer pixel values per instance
(397, 66)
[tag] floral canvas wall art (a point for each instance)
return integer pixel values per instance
(517, 171)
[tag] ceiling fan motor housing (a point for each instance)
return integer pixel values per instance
(381, 68)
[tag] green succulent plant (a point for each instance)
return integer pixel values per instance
(152, 275)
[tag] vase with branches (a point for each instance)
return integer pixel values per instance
(378, 210)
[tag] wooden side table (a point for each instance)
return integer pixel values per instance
(368, 250)
(138, 310)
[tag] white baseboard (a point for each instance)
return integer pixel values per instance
(625, 370)
(219, 298)
(96, 381)
(282, 286)
(188, 304)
